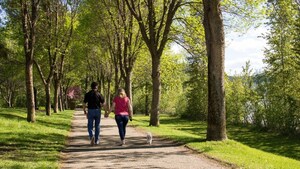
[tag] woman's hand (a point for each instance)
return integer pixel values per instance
(106, 115)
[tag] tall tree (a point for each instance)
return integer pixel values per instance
(296, 39)
(104, 30)
(186, 25)
(215, 46)
(128, 39)
(155, 29)
(50, 22)
(97, 31)
(53, 42)
(67, 17)
(29, 16)
(282, 69)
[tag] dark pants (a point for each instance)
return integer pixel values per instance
(122, 123)
(94, 115)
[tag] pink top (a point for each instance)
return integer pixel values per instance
(121, 105)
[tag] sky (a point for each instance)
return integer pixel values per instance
(241, 48)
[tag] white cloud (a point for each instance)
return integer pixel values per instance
(248, 47)
(241, 48)
(175, 48)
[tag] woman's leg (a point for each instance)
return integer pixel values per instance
(119, 122)
(125, 121)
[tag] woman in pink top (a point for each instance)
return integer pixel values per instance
(123, 111)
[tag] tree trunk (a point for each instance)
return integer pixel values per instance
(65, 98)
(215, 45)
(156, 90)
(61, 106)
(146, 101)
(155, 34)
(116, 76)
(30, 91)
(58, 80)
(128, 85)
(108, 96)
(56, 96)
(9, 99)
(29, 18)
(48, 99)
(35, 98)
(102, 84)
(86, 82)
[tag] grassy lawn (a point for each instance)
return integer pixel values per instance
(32, 145)
(245, 148)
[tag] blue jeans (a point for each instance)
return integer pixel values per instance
(122, 123)
(94, 115)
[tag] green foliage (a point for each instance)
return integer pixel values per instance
(240, 15)
(193, 104)
(247, 148)
(172, 75)
(296, 39)
(234, 94)
(196, 89)
(11, 68)
(91, 55)
(141, 83)
(32, 145)
(242, 100)
(270, 100)
(283, 107)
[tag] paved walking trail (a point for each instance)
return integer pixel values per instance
(136, 154)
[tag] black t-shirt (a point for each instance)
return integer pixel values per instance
(93, 98)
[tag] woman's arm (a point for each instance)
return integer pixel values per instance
(112, 108)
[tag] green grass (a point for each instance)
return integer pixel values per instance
(32, 145)
(245, 148)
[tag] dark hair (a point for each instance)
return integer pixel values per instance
(94, 85)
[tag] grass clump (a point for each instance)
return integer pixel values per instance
(245, 148)
(32, 145)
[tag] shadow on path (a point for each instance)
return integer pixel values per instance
(135, 154)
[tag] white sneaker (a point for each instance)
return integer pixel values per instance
(97, 142)
(122, 143)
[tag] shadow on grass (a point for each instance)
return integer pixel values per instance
(288, 146)
(185, 139)
(191, 127)
(265, 141)
(31, 145)
(28, 148)
(8, 115)
(40, 141)
(56, 125)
